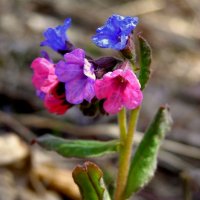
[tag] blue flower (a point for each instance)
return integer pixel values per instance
(56, 38)
(114, 34)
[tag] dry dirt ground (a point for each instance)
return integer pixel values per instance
(172, 29)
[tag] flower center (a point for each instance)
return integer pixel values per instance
(121, 81)
(88, 69)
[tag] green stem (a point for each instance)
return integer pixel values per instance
(122, 124)
(125, 156)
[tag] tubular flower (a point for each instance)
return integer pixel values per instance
(114, 34)
(44, 77)
(56, 38)
(119, 88)
(78, 75)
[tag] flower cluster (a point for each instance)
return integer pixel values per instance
(78, 79)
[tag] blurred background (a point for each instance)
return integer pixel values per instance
(172, 29)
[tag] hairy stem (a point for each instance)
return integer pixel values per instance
(122, 124)
(125, 155)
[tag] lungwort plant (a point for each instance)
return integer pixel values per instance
(106, 86)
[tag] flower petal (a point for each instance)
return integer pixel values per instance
(121, 43)
(102, 88)
(56, 37)
(113, 104)
(132, 97)
(132, 78)
(61, 29)
(104, 40)
(55, 105)
(89, 92)
(66, 72)
(53, 40)
(44, 77)
(75, 90)
(88, 69)
(75, 57)
(128, 24)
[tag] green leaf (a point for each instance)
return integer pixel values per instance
(145, 61)
(144, 162)
(78, 148)
(89, 179)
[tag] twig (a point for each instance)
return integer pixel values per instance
(173, 162)
(50, 123)
(138, 7)
(16, 126)
(186, 186)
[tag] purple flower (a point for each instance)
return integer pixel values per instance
(78, 75)
(56, 38)
(114, 34)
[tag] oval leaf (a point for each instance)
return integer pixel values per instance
(89, 179)
(77, 148)
(144, 162)
(145, 61)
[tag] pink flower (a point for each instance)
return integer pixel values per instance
(44, 77)
(119, 88)
(55, 101)
(48, 86)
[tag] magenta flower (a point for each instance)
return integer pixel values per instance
(78, 75)
(119, 88)
(48, 87)
(44, 77)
